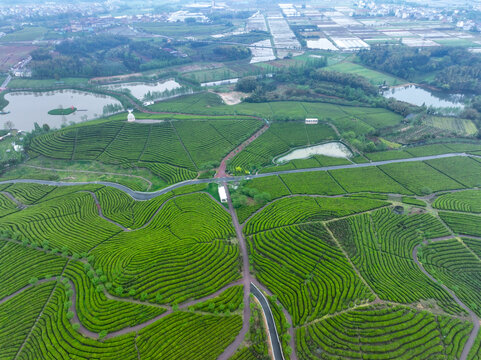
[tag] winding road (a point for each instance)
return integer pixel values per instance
(139, 195)
(271, 324)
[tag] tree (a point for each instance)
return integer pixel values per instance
(33, 280)
(119, 290)
(8, 125)
(247, 84)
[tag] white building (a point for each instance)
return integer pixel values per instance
(130, 117)
(222, 193)
(312, 121)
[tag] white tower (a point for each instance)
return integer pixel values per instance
(130, 117)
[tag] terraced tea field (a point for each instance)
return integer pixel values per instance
(358, 259)
(169, 149)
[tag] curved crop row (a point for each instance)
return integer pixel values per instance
(381, 246)
(21, 312)
(465, 201)
(19, 264)
(296, 210)
(29, 193)
(465, 224)
(188, 336)
(97, 313)
(380, 332)
(70, 222)
(183, 253)
(459, 269)
(306, 270)
(120, 207)
(7, 206)
(230, 300)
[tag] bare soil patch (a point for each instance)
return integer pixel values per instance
(232, 97)
(12, 54)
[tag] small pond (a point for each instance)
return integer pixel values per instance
(418, 96)
(26, 108)
(332, 149)
(140, 89)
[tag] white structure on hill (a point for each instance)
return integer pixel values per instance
(130, 117)
(222, 194)
(312, 121)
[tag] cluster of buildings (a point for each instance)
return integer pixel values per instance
(25, 12)
(457, 17)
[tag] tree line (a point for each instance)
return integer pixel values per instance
(456, 69)
(101, 55)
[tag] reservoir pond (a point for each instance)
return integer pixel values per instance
(331, 149)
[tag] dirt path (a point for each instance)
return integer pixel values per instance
(221, 171)
(99, 208)
(39, 316)
(474, 318)
(14, 199)
(101, 214)
(246, 280)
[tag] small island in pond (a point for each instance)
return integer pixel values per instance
(66, 111)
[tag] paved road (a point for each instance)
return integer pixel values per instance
(271, 324)
(138, 195)
(246, 280)
(5, 83)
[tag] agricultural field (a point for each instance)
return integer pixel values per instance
(420, 178)
(345, 118)
(458, 267)
(280, 138)
(12, 54)
(168, 149)
(17, 83)
(25, 34)
(406, 334)
(374, 239)
(463, 201)
(137, 265)
(180, 29)
(308, 264)
(463, 127)
(86, 304)
(373, 76)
